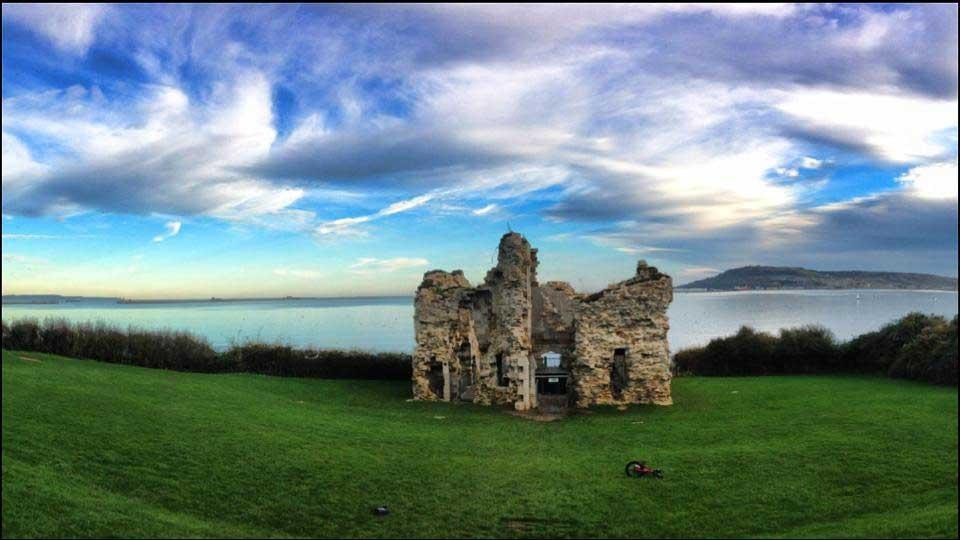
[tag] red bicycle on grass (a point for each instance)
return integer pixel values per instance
(639, 469)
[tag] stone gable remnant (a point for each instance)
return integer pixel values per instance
(487, 344)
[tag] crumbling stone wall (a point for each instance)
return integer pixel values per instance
(630, 316)
(463, 333)
(442, 326)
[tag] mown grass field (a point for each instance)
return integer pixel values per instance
(93, 449)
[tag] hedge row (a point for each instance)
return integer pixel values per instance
(920, 347)
(183, 351)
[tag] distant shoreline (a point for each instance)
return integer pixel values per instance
(62, 300)
(682, 289)
(55, 300)
(215, 300)
(748, 278)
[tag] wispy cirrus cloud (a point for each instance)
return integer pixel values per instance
(486, 210)
(162, 154)
(70, 27)
(699, 134)
(373, 265)
(351, 226)
(26, 260)
(172, 228)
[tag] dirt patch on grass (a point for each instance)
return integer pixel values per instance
(537, 416)
(28, 359)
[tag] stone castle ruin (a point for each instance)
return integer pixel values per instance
(514, 341)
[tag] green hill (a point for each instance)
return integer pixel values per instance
(782, 277)
(93, 449)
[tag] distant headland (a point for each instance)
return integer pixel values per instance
(784, 277)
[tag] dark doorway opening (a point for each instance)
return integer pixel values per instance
(552, 396)
(551, 386)
(436, 380)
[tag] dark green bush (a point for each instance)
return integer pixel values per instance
(172, 350)
(931, 356)
(57, 337)
(285, 361)
(747, 352)
(99, 341)
(875, 352)
(24, 335)
(808, 349)
(183, 351)
(920, 347)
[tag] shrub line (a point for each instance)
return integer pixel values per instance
(918, 347)
(184, 351)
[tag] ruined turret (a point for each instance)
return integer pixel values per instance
(509, 350)
(512, 341)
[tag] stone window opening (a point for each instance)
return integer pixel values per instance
(618, 373)
(551, 359)
(501, 371)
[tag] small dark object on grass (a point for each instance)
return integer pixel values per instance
(381, 511)
(639, 469)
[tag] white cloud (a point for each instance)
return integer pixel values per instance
(488, 209)
(403, 206)
(898, 128)
(373, 265)
(871, 33)
(936, 181)
(23, 259)
(71, 27)
(698, 271)
(811, 163)
(163, 153)
(644, 249)
(172, 229)
(347, 227)
(17, 162)
(20, 170)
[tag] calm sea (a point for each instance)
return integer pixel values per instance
(386, 324)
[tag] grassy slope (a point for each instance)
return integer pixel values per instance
(93, 449)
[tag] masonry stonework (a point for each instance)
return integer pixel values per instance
(513, 341)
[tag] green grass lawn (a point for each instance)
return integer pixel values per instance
(93, 449)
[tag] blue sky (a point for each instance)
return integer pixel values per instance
(184, 151)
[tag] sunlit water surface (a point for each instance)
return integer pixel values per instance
(386, 324)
